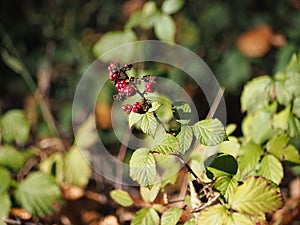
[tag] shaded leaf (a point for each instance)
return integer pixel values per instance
(121, 197)
(171, 216)
(185, 138)
(5, 207)
(5, 180)
(54, 165)
(255, 197)
(296, 107)
(149, 124)
(142, 167)
(271, 168)
(172, 6)
(168, 145)
(222, 165)
(165, 28)
(209, 132)
(145, 216)
(37, 193)
(182, 112)
(14, 126)
(11, 158)
(12, 62)
(77, 171)
(86, 134)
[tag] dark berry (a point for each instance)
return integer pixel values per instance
(137, 108)
(114, 76)
(149, 86)
(127, 108)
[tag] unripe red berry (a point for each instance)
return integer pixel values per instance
(149, 86)
(121, 84)
(129, 90)
(127, 108)
(114, 76)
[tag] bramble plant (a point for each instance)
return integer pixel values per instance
(237, 185)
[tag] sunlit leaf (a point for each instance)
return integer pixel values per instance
(294, 64)
(293, 84)
(226, 185)
(11, 158)
(190, 222)
(86, 134)
(121, 197)
(185, 138)
(149, 124)
(210, 132)
(37, 193)
(230, 147)
(142, 167)
(248, 160)
(5, 180)
(134, 118)
(14, 126)
(145, 216)
(149, 194)
(255, 94)
(236, 218)
(182, 112)
(165, 28)
(5, 207)
(77, 171)
(172, 6)
(213, 215)
(255, 197)
(171, 216)
(230, 128)
(154, 106)
(280, 120)
(168, 145)
(296, 107)
(54, 165)
(271, 168)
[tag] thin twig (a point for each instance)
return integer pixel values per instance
(215, 103)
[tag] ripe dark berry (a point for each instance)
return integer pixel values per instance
(137, 108)
(127, 108)
(149, 86)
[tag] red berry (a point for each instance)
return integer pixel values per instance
(127, 108)
(129, 90)
(137, 108)
(149, 86)
(121, 84)
(114, 76)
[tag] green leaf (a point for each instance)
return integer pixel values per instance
(86, 135)
(280, 120)
(190, 222)
(150, 194)
(271, 168)
(154, 106)
(248, 160)
(172, 6)
(113, 39)
(222, 165)
(279, 147)
(11, 158)
(5, 207)
(145, 216)
(255, 197)
(14, 126)
(142, 167)
(255, 94)
(230, 147)
(294, 64)
(230, 128)
(171, 216)
(37, 193)
(210, 132)
(182, 112)
(121, 197)
(258, 126)
(294, 127)
(282, 94)
(5, 180)
(213, 215)
(149, 124)
(168, 145)
(236, 218)
(165, 28)
(134, 118)
(296, 107)
(54, 165)
(226, 185)
(77, 171)
(12, 62)
(293, 84)
(185, 138)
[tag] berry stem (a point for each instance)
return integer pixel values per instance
(159, 121)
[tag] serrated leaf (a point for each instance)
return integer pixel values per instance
(121, 197)
(171, 216)
(190, 222)
(168, 145)
(134, 118)
(271, 168)
(226, 185)
(172, 6)
(292, 84)
(5, 180)
(77, 171)
(14, 126)
(145, 216)
(294, 127)
(255, 197)
(282, 94)
(280, 120)
(165, 28)
(148, 124)
(209, 132)
(86, 135)
(296, 107)
(222, 165)
(154, 106)
(248, 160)
(279, 147)
(213, 215)
(142, 167)
(230, 147)
(149, 194)
(237, 219)
(182, 112)
(185, 138)
(5, 207)
(256, 93)
(54, 165)
(11, 158)
(113, 39)
(37, 193)
(294, 64)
